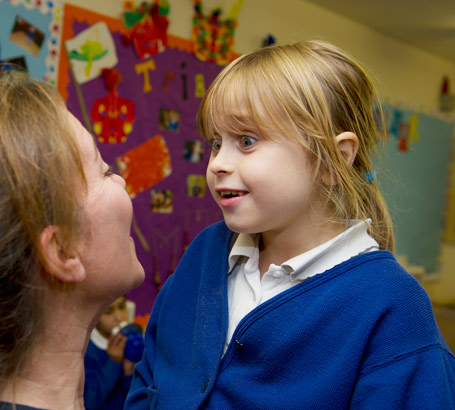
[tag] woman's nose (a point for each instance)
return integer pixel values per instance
(120, 180)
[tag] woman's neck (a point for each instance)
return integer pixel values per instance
(53, 376)
(52, 382)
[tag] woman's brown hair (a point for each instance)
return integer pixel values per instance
(40, 170)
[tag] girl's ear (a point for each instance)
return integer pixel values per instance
(347, 144)
(59, 262)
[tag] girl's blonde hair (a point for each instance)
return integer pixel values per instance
(40, 167)
(310, 92)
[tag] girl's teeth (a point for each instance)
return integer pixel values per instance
(230, 194)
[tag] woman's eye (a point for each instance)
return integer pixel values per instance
(247, 141)
(109, 172)
(216, 144)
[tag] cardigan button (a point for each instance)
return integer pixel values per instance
(238, 345)
(205, 385)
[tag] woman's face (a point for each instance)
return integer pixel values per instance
(107, 250)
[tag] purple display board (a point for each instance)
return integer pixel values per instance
(166, 90)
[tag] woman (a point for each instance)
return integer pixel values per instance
(65, 247)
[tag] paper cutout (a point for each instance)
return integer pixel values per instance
(184, 82)
(145, 165)
(199, 88)
(395, 123)
(91, 51)
(168, 77)
(196, 186)
(213, 38)
(112, 116)
(403, 144)
(169, 120)
(193, 151)
(162, 201)
(414, 135)
(147, 24)
(144, 68)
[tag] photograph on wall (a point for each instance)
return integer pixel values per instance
(27, 36)
(30, 33)
(17, 63)
(193, 150)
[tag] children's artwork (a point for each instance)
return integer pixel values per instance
(193, 150)
(162, 201)
(196, 186)
(30, 33)
(145, 165)
(147, 24)
(169, 119)
(162, 148)
(112, 115)
(91, 51)
(213, 37)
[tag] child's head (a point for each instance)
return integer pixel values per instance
(310, 92)
(114, 315)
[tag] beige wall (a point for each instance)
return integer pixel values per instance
(402, 72)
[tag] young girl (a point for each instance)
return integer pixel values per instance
(295, 301)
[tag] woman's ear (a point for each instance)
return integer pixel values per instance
(347, 144)
(59, 262)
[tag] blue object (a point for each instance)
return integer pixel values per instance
(135, 344)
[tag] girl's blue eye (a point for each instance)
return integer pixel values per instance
(247, 141)
(216, 144)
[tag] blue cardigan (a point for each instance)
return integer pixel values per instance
(362, 335)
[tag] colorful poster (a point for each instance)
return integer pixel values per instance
(30, 32)
(162, 157)
(91, 51)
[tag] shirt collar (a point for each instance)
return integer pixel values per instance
(98, 339)
(352, 242)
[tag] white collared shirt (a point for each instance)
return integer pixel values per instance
(98, 339)
(246, 290)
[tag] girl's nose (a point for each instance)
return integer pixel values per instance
(222, 162)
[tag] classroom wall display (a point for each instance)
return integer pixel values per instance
(141, 109)
(30, 32)
(413, 171)
(213, 36)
